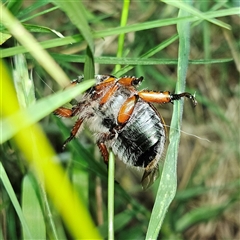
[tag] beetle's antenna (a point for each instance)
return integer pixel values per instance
(189, 134)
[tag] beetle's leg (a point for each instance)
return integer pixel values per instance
(149, 177)
(109, 93)
(124, 81)
(103, 149)
(164, 97)
(66, 112)
(74, 131)
(63, 112)
(184, 94)
(102, 146)
(126, 109)
(105, 83)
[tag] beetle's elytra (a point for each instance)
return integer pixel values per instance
(124, 120)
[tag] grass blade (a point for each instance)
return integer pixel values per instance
(111, 196)
(35, 112)
(32, 142)
(118, 30)
(89, 70)
(32, 211)
(168, 183)
(29, 42)
(6, 183)
(195, 12)
(76, 13)
(121, 36)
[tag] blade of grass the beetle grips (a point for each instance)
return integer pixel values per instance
(111, 181)
(76, 13)
(30, 43)
(30, 205)
(32, 142)
(6, 183)
(168, 184)
(120, 221)
(89, 71)
(39, 110)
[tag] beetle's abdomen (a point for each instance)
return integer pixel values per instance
(142, 139)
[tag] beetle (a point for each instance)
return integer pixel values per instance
(124, 120)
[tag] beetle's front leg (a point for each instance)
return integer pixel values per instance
(75, 130)
(164, 97)
(63, 112)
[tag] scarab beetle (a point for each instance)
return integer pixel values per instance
(123, 119)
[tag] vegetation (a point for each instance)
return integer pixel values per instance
(47, 193)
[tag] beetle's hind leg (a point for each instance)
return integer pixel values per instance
(102, 146)
(164, 97)
(175, 96)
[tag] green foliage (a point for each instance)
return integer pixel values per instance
(162, 41)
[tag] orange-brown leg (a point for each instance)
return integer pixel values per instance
(103, 149)
(109, 81)
(109, 93)
(124, 81)
(164, 97)
(63, 112)
(74, 131)
(102, 146)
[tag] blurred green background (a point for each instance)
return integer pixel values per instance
(206, 205)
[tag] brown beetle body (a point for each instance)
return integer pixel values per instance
(124, 120)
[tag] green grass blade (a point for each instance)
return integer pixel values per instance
(48, 10)
(89, 70)
(111, 182)
(23, 84)
(168, 184)
(32, 211)
(76, 13)
(48, 212)
(142, 60)
(195, 12)
(200, 214)
(30, 43)
(6, 183)
(26, 12)
(56, 42)
(32, 142)
(39, 110)
(120, 221)
(118, 30)
(124, 18)
(14, 6)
